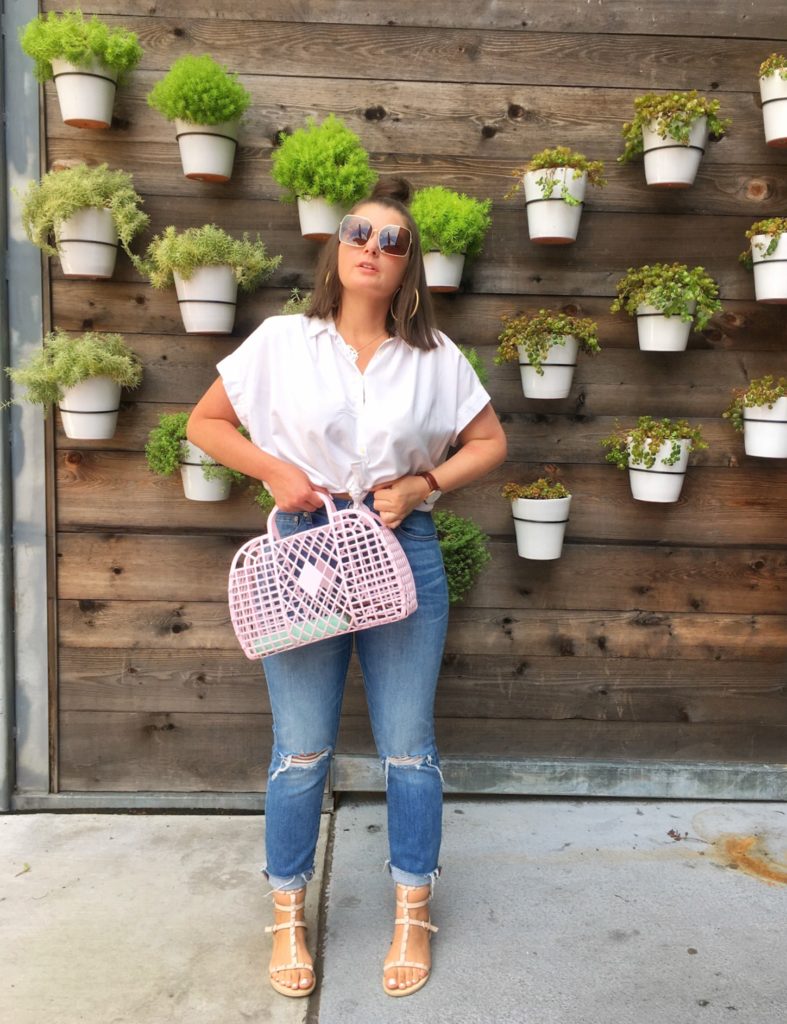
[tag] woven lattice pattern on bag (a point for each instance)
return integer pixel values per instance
(348, 575)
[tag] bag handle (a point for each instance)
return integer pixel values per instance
(273, 529)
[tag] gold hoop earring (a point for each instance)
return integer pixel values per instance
(327, 278)
(393, 299)
(415, 307)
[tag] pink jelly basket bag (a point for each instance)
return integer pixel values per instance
(350, 574)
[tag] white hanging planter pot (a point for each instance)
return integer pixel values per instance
(540, 525)
(773, 91)
(443, 272)
(88, 244)
(553, 221)
(86, 94)
(319, 219)
(558, 366)
(661, 482)
(660, 333)
(765, 430)
(207, 151)
(770, 272)
(195, 486)
(89, 410)
(207, 300)
(672, 164)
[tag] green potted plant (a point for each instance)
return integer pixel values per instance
(540, 513)
(326, 169)
(452, 226)
(546, 344)
(83, 375)
(85, 58)
(656, 454)
(206, 102)
(760, 411)
(168, 449)
(80, 214)
(773, 93)
(767, 257)
(471, 355)
(555, 181)
(671, 130)
(207, 266)
(465, 550)
(298, 302)
(666, 299)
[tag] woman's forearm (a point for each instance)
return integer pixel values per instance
(474, 459)
(223, 442)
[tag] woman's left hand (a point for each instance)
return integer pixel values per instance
(397, 499)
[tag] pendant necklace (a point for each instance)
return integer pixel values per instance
(354, 352)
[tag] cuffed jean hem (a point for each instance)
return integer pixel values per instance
(407, 878)
(286, 884)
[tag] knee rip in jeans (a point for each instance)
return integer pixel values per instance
(416, 761)
(300, 761)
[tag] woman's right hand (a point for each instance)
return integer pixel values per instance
(293, 491)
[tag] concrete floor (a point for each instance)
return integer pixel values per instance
(593, 912)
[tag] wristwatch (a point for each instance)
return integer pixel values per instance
(435, 491)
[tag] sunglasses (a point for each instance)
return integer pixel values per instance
(392, 239)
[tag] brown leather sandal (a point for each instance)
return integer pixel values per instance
(403, 961)
(293, 906)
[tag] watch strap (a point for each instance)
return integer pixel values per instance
(433, 484)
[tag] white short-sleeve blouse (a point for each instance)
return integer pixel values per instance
(294, 385)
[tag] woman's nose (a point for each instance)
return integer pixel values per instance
(372, 243)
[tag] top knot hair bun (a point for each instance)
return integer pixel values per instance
(391, 187)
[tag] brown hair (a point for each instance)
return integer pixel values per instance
(417, 330)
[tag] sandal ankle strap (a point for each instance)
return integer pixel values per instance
(421, 924)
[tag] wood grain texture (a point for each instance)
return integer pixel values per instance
(357, 52)
(743, 328)
(610, 637)
(465, 119)
(756, 188)
(717, 506)
(742, 580)
(136, 751)
(608, 244)
(531, 688)
(761, 19)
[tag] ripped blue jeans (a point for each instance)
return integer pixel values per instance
(400, 664)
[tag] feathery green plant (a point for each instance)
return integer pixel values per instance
(61, 194)
(67, 360)
(325, 160)
(450, 222)
(199, 90)
(79, 40)
(471, 355)
(166, 449)
(464, 547)
(207, 246)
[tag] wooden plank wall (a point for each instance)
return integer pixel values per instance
(661, 631)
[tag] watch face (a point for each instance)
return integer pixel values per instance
(433, 496)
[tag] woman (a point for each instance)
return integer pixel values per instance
(361, 398)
